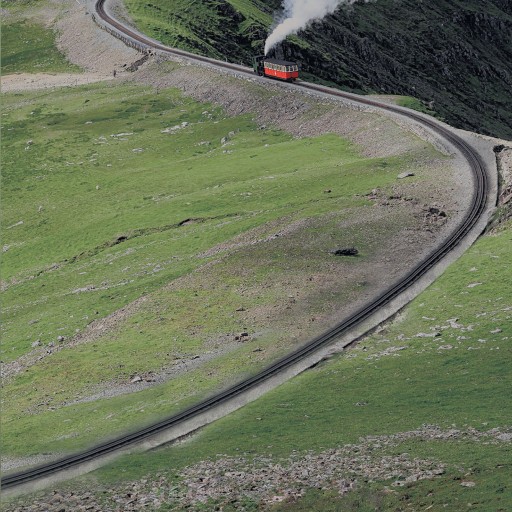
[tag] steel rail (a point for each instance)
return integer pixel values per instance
(476, 209)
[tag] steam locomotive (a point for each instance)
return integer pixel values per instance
(275, 68)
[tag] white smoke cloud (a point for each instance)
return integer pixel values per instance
(299, 13)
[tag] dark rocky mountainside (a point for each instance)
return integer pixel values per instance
(454, 55)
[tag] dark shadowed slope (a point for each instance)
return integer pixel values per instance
(455, 55)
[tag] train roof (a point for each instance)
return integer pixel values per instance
(280, 62)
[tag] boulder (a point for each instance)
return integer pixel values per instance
(347, 251)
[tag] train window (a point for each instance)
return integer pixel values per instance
(279, 67)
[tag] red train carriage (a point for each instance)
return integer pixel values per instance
(275, 68)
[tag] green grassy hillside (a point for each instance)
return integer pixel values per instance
(433, 386)
(417, 417)
(29, 47)
(109, 198)
(455, 56)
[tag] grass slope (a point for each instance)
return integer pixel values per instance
(28, 47)
(109, 197)
(220, 29)
(452, 370)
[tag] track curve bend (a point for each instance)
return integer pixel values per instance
(247, 390)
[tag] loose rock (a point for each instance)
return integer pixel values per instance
(349, 251)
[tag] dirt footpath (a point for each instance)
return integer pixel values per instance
(32, 82)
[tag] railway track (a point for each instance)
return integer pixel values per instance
(479, 205)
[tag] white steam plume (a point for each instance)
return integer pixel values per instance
(297, 14)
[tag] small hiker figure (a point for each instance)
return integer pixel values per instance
(114, 73)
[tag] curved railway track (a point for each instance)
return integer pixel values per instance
(477, 208)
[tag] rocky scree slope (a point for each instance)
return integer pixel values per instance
(454, 55)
